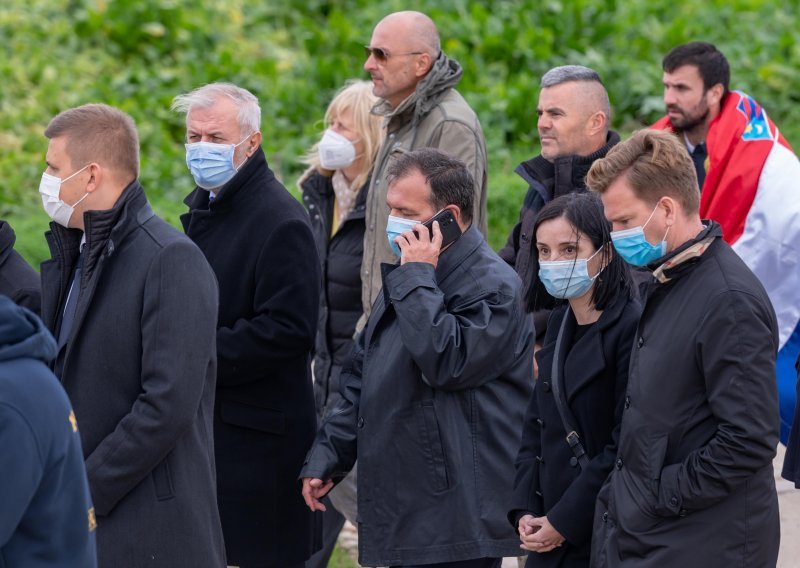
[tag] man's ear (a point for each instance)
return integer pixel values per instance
(96, 175)
(598, 123)
(671, 208)
(423, 64)
(456, 211)
(255, 142)
(714, 95)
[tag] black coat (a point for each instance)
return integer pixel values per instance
(432, 401)
(340, 302)
(791, 463)
(693, 484)
(258, 240)
(595, 376)
(139, 368)
(18, 280)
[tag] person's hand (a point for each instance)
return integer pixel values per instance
(418, 246)
(540, 535)
(315, 489)
(525, 527)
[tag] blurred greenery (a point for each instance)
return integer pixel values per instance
(138, 54)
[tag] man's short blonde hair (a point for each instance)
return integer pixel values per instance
(655, 164)
(98, 133)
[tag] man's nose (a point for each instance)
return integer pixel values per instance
(669, 96)
(369, 64)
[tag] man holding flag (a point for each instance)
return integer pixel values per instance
(749, 179)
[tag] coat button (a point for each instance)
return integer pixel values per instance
(682, 513)
(540, 422)
(640, 342)
(573, 461)
(673, 501)
(605, 516)
(540, 459)
(619, 463)
(538, 493)
(627, 402)
(360, 421)
(546, 386)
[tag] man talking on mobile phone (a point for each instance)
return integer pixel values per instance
(436, 385)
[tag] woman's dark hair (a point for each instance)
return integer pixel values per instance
(584, 211)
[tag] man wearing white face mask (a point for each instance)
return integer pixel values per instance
(132, 304)
(693, 482)
(258, 240)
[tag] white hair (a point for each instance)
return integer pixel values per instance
(205, 96)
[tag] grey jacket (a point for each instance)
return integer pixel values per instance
(434, 116)
(433, 401)
(139, 368)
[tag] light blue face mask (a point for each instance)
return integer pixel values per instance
(567, 279)
(395, 227)
(633, 247)
(212, 164)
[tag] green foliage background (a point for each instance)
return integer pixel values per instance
(138, 54)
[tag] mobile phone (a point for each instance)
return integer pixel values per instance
(447, 225)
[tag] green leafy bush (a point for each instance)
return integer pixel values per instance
(138, 54)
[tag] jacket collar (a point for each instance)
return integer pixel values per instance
(671, 266)
(443, 76)
(103, 229)
(565, 174)
(255, 166)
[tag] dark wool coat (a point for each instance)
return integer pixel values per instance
(433, 397)
(139, 367)
(549, 480)
(340, 302)
(18, 280)
(693, 483)
(258, 240)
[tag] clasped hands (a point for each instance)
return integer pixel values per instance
(538, 535)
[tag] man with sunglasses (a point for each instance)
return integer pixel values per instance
(416, 83)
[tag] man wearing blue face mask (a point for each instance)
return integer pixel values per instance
(132, 303)
(435, 388)
(259, 242)
(693, 483)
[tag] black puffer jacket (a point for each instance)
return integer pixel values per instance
(340, 263)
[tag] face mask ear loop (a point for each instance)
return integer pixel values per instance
(650, 217)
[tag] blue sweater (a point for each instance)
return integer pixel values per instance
(46, 515)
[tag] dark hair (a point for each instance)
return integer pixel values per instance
(450, 180)
(710, 62)
(584, 211)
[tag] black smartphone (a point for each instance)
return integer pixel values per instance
(447, 225)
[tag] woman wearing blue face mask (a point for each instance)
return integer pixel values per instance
(580, 391)
(335, 193)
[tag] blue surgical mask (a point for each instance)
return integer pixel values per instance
(212, 164)
(633, 247)
(567, 279)
(395, 227)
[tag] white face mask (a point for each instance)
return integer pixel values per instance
(50, 189)
(335, 151)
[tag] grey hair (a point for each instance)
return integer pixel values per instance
(205, 96)
(567, 73)
(579, 74)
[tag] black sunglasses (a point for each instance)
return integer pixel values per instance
(381, 55)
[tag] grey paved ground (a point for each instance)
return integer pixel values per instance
(788, 498)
